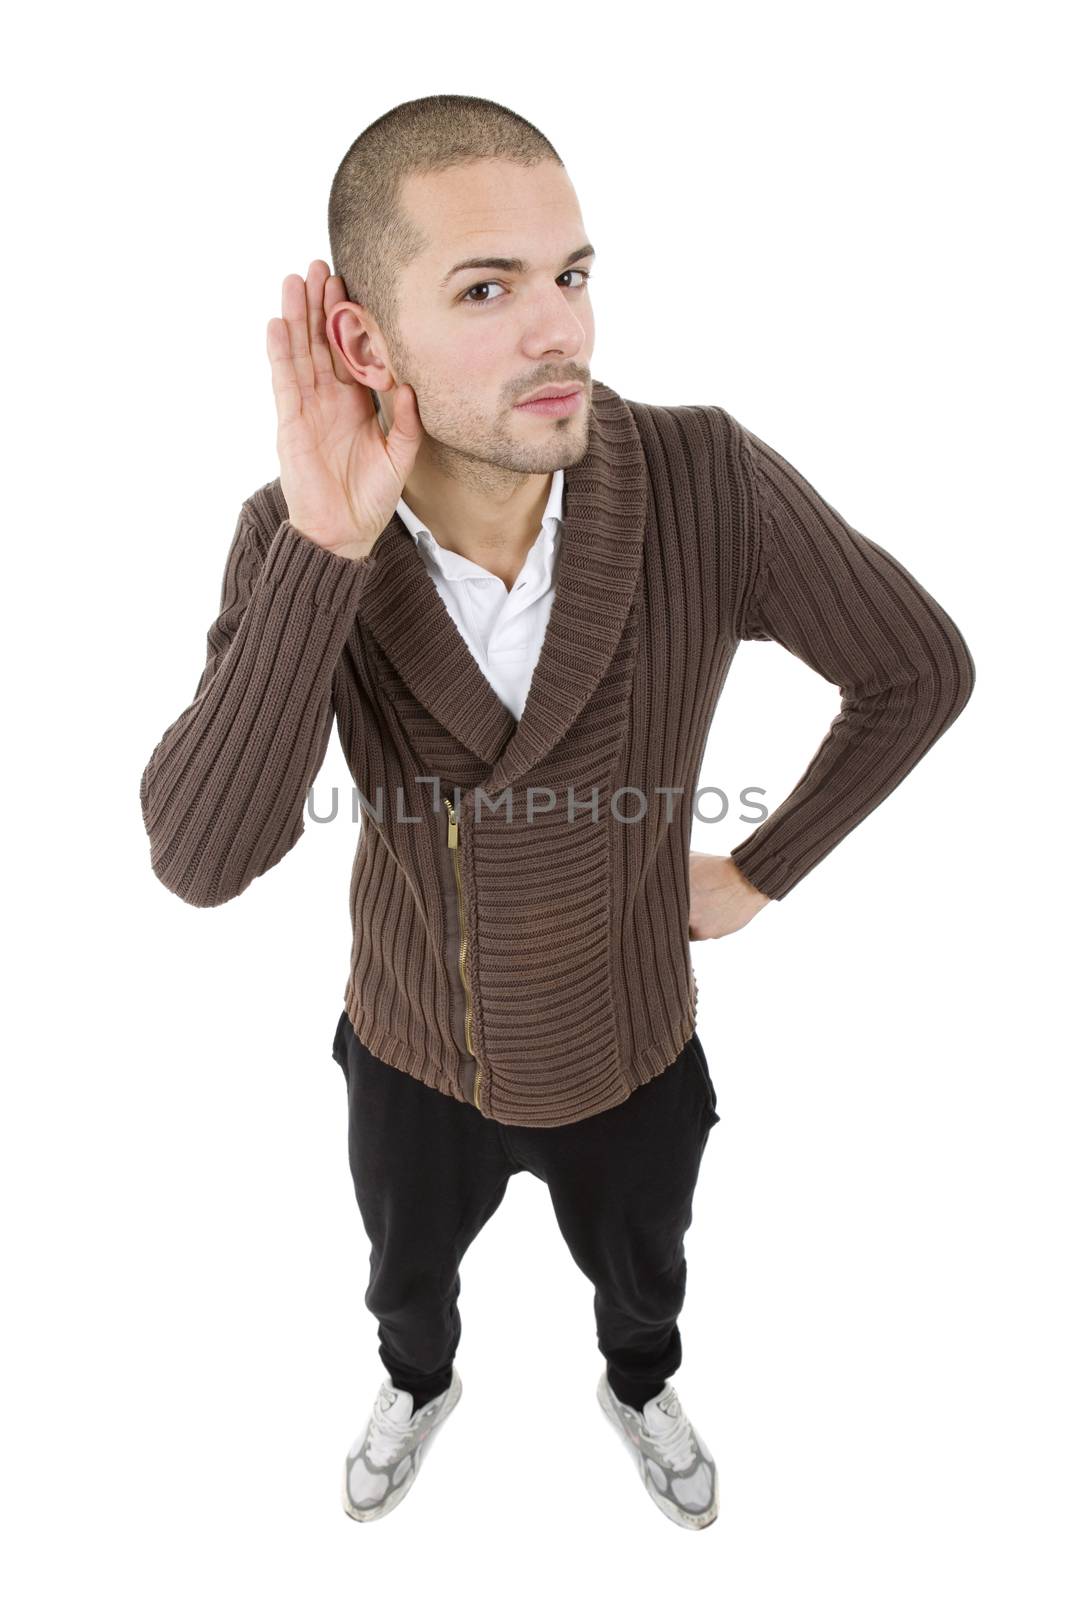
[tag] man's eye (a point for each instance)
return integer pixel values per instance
(482, 301)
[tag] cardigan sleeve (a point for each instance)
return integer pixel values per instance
(223, 793)
(857, 616)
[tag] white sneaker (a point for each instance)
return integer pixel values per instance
(381, 1465)
(675, 1464)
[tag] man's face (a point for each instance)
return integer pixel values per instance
(477, 340)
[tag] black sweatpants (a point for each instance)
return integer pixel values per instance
(430, 1170)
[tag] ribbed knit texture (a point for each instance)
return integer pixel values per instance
(683, 534)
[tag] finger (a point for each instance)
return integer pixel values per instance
(282, 371)
(335, 294)
(295, 312)
(336, 291)
(321, 359)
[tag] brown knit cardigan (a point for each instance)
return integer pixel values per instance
(537, 964)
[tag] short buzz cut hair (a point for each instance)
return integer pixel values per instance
(372, 237)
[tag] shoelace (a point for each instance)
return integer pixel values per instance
(675, 1443)
(386, 1429)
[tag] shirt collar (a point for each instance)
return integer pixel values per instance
(453, 565)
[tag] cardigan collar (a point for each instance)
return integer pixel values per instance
(601, 545)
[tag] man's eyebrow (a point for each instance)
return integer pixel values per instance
(511, 263)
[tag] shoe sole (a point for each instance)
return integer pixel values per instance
(393, 1499)
(684, 1519)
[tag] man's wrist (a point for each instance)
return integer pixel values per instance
(747, 882)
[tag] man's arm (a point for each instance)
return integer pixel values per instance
(223, 792)
(854, 614)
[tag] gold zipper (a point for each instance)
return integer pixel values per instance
(453, 845)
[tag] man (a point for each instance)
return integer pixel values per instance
(523, 695)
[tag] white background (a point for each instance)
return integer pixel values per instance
(837, 222)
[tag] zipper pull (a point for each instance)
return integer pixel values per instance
(453, 827)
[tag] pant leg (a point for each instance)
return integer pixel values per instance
(622, 1184)
(429, 1171)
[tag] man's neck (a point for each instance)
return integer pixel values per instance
(495, 532)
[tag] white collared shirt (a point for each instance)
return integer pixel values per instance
(504, 628)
